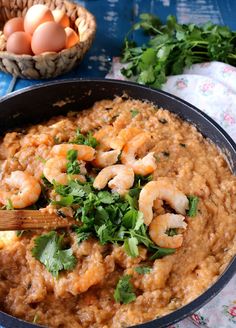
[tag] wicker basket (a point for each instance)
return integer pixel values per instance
(48, 65)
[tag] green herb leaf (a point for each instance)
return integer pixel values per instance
(48, 250)
(82, 139)
(173, 46)
(72, 166)
(134, 112)
(131, 247)
(124, 292)
(161, 252)
(193, 203)
(143, 270)
(9, 205)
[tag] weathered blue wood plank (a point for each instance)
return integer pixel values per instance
(114, 19)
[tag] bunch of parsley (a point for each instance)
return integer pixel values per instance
(173, 46)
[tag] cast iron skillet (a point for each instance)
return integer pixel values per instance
(38, 103)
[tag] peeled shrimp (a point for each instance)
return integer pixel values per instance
(104, 136)
(123, 178)
(123, 137)
(106, 158)
(28, 190)
(164, 190)
(85, 153)
(55, 170)
(143, 166)
(110, 144)
(160, 224)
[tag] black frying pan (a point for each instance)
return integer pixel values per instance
(35, 104)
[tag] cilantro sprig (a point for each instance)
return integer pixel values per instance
(49, 251)
(174, 46)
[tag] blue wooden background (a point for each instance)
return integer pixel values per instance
(114, 19)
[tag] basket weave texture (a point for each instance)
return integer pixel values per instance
(51, 64)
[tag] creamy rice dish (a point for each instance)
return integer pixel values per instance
(155, 209)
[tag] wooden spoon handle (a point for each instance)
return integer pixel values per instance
(31, 220)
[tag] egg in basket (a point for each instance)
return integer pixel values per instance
(43, 39)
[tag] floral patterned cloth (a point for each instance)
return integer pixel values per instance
(212, 88)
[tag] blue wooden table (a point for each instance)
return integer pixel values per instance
(114, 19)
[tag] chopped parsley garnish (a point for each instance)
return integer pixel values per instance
(87, 139)
(72, 166)
(124, 292)
(131, 246)
(49, 251)
(9, 205)
(134, 112)
(193, 203)
(161, 252)
(143, 270)
(107, 216)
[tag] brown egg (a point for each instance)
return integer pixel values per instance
(19, 43)
(13, 25)
(61, 17)
(71, 37)
(35, 16)
(48, 37)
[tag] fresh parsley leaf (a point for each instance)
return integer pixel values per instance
(64, 201)
(72, 166)
(131, 247)
(124, 292)
(134, 112)
(172, 47)
(193, 203)
(130, 218)
(81, 236)
(143, 270)
(82, 139)
(161, 252)
(9, 205)
(48, 250)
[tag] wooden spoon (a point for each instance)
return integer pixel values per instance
(31, 220)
